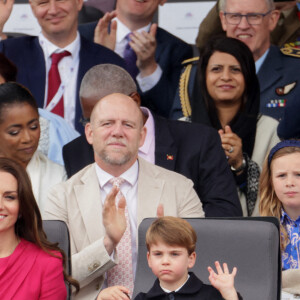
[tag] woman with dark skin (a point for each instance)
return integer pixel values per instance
(20, 133)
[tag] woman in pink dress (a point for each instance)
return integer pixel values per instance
(30, 266)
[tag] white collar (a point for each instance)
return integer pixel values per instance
(50, 48)
(131, 175)
(123, 30)
(168, 291)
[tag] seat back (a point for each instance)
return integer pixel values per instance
(250, 244)
(57, 232)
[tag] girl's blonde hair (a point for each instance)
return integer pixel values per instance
(269, 204)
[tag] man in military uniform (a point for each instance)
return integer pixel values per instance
(252, 21)
(286, 31)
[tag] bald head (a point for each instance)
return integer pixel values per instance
(102, 80)
(117, 99)
(116, 132)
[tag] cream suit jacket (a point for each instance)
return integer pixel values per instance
(78, 203)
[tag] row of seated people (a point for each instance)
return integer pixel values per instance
(153, 56)
(91, 76)
(37, 265)
(229, 149)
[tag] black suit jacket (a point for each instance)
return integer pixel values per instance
(193, 150)
(170, 53)
(27, 55)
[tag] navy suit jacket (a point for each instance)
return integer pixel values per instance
(170, 53)
(193, 150)
(27, 54)
(277, 71)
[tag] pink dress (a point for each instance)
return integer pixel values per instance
(31, 273)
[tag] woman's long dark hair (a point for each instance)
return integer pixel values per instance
(29, 224)
(203, 106)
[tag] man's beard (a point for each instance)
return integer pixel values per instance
(115, 161)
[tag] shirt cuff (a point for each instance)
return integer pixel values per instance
(148, 82)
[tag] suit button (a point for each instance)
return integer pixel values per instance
(171, 297)
(94, 266)
(97, 286)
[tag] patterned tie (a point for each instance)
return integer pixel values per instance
(130, 58)
(54, 82)
(122, 273)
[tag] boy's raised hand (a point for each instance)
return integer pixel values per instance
(223, 281)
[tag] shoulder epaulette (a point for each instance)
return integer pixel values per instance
(290, 50)
(192, 60)
(184, 86)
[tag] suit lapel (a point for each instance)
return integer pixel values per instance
(149, 191)
(268, 73)
(165, 148)
(159, 44)
(90, 203)
(36, 75)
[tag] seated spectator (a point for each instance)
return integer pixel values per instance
(193, 150)
(20, 133)
(30, 266)
(226, 97)
(171, 253)
(55, 131)
(280, 198)
(277, 69)
(286, 31)
(52, 64)
(100, 247)
(153, 56)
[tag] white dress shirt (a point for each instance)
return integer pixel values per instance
(145, 83)
(68, 71)
(129, 190)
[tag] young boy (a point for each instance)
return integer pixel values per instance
(171, 253)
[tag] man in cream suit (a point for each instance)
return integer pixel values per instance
(116, 132)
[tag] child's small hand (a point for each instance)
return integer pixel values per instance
(114, 293)
(223, 281)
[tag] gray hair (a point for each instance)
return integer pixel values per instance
(222, 4)
(102, 80)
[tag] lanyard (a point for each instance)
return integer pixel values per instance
(61, 89)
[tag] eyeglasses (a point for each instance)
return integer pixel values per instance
(252, 18)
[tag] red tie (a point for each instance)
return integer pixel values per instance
(54, 82)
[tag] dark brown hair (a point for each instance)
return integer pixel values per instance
(29, 224)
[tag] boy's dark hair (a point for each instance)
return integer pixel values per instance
(172, 231)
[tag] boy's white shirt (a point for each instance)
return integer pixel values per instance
(167, 291)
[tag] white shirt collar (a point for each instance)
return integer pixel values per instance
(49, 48)
(168, 291)
(123, 30)
(131, 175)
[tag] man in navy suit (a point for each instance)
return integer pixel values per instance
(193, 150)
(158, 53)
(32, 55)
